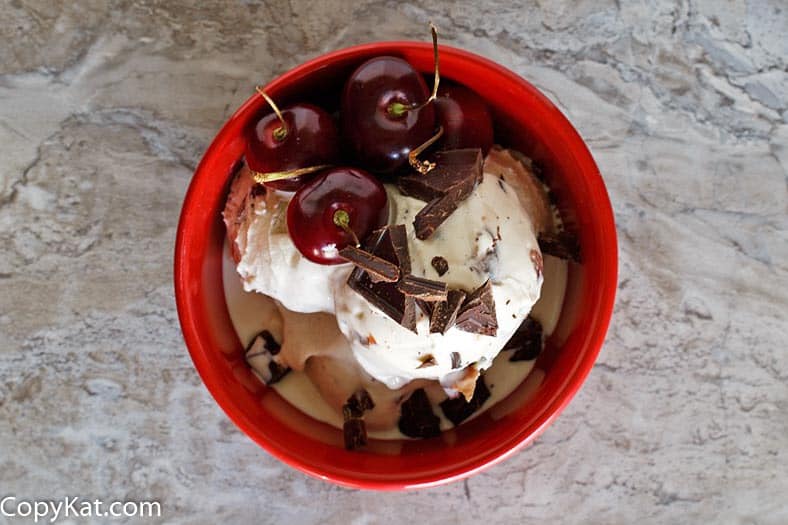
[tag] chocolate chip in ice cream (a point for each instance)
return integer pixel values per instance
(354, 429)
(527, 341)
(417, 419)
(457, 409)
(391, 244)
(440, 264)
(563, 245)
(261, 354)
(456, 360)
(424, 289)
(477, 314)
(444, 313)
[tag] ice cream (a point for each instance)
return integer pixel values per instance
(267, 260)
(492, 235)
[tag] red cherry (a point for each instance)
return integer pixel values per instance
(376, 120)
(465, 118)
(307, 138)
(333, 196)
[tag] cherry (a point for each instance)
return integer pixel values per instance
(336, 208)
(377, 118)
(299, 137)
(465, 118)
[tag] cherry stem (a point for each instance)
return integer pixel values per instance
(271, 176)
(342, 219)
(424, 166)
(437, 80)
(398, 109)
(281, 132)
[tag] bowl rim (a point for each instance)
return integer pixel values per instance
(525, 435)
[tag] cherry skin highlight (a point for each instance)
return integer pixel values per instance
(314, 209)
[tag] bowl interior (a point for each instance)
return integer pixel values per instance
(525, 120)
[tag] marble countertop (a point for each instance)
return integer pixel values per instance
(106, 108)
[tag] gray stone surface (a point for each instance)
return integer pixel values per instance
(106, 108)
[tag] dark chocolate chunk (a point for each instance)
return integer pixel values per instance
(563, 245)
(399, 243)
(357, 404)
(527, 341)
(456, 361)
(270, 343)
(444, 313)
(425, 306)
(456, 174)
(378, 268)
(424, 289)
(433, 214)
(458, 409)
(391, 244)
(477, 314)
(417, 419)
(440, 264)
(263, 347)
(277, 372)
(457, 170)
(354, 428)
(355, 433)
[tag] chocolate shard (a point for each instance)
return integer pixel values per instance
(527, 341)
(417, 419)
(399, 242)
(456, 174)
(270, 343)
(355, 433)
(477, 314)
(433, 215)
(391, 244)
(425, 306)
(456, 360)
(260, 355)
(456, 171)
(457, 409)
(444, 314)
(440, 264)
(378, 268)
(424, 289)
(357, 404)
(563, 245)
(354, 429)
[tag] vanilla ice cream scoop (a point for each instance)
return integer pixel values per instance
(490, 236)
(266, 258)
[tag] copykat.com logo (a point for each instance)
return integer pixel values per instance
(50, 511)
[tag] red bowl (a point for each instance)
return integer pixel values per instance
(525, 119)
